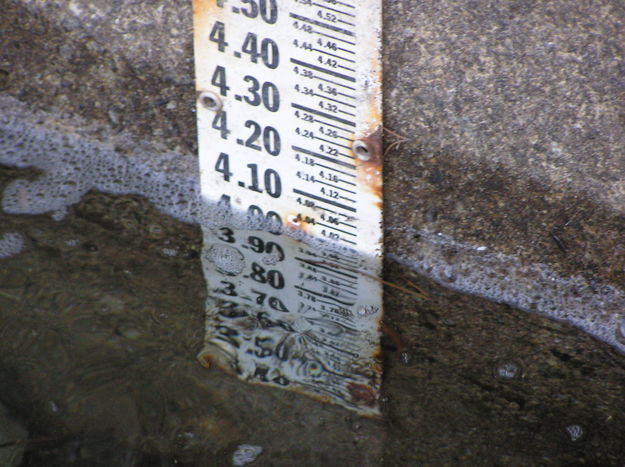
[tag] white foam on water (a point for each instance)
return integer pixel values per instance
(72, 165)
(596, 308)
(227, 259)
(11, 243)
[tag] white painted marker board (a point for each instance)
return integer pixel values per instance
(290, 129)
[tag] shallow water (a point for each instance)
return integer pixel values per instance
(102, 311)
(102, 307)
(103, 314)
(100, 331)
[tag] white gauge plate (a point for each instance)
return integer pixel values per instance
(285, 88)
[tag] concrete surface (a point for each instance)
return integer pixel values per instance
(511, 187)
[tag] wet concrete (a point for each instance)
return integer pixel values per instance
(479, 383)
(514, 116)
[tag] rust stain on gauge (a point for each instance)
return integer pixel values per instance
(362, 394)
(296, 223)
(205, 359)
(284, 92)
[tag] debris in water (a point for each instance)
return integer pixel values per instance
(575, 432)
(246, 454)
(507, 370)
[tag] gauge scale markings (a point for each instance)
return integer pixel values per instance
(298, 83)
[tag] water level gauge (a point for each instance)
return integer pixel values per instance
(289, 119)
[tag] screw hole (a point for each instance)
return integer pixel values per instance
(210, 101)
(361, 150)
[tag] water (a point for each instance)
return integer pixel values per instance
(99, 337)
(102, 310)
